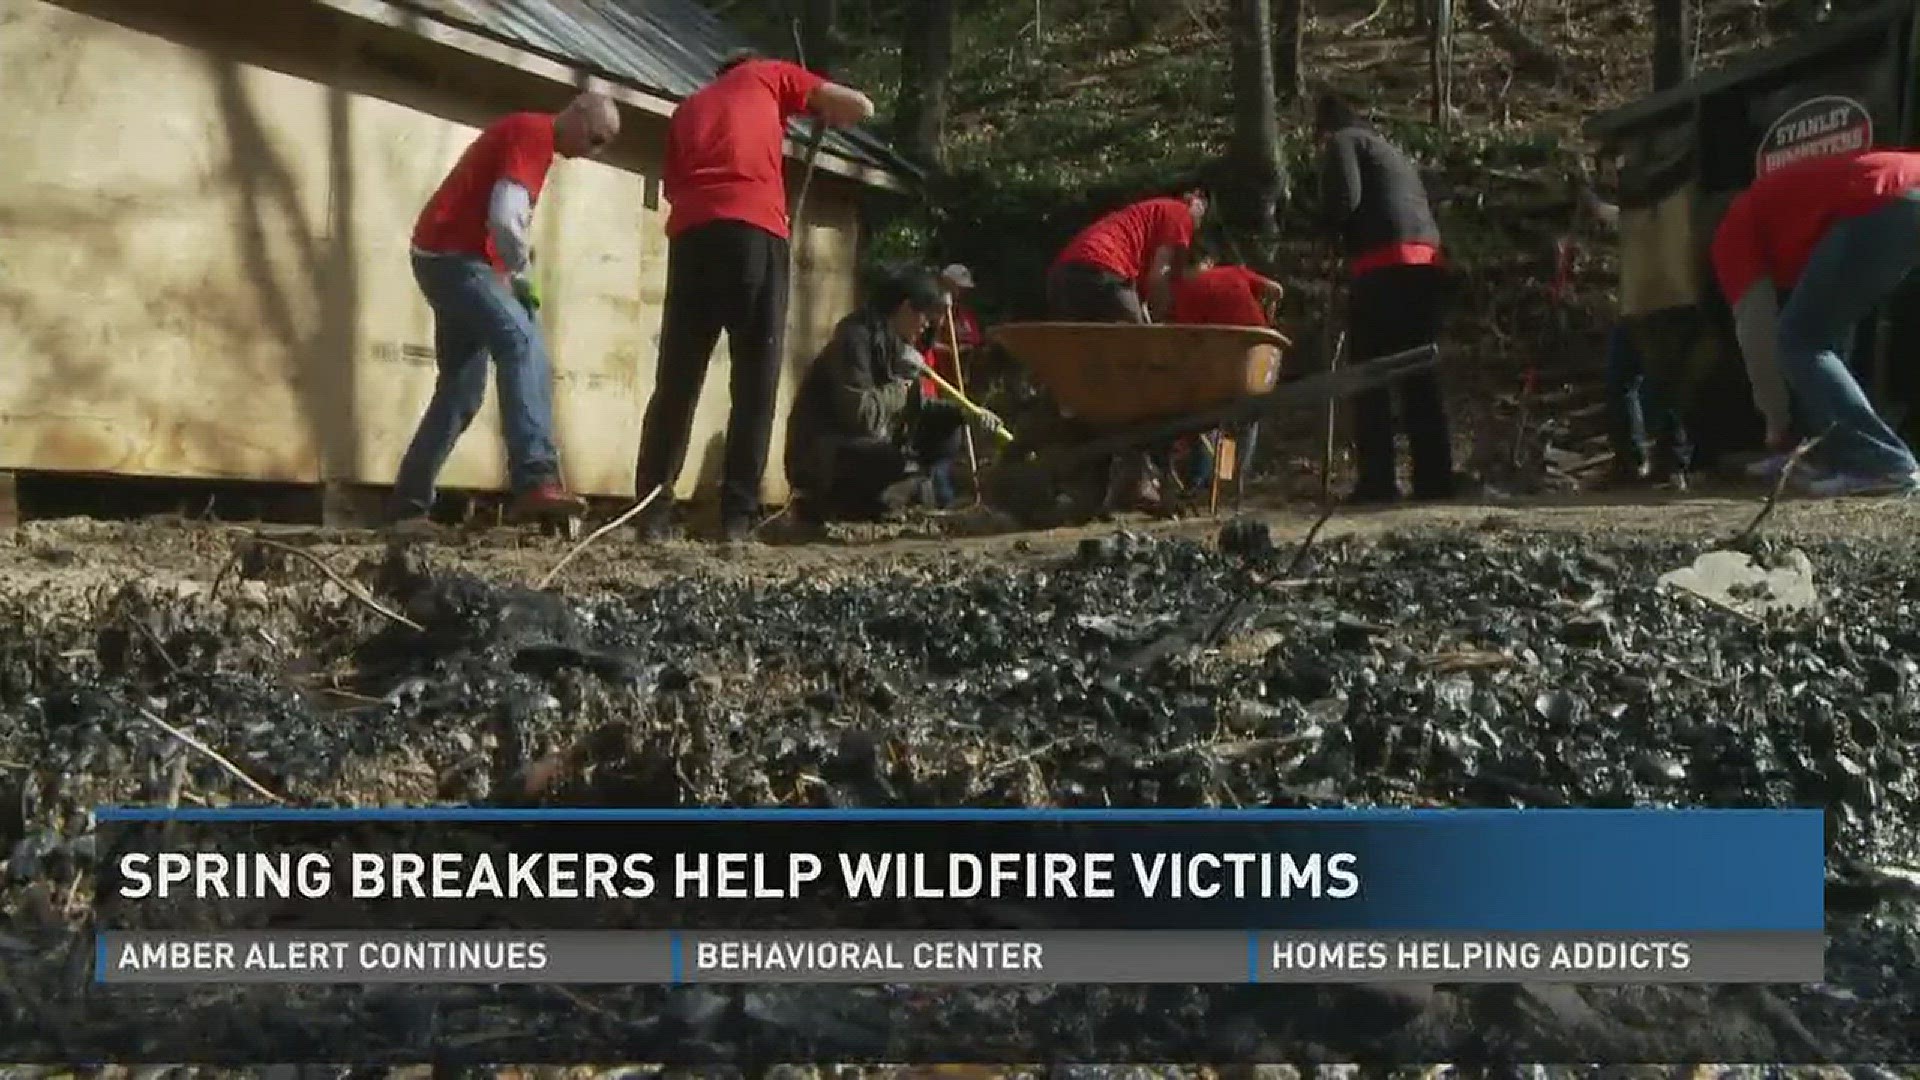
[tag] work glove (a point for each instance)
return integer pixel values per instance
(528, 293)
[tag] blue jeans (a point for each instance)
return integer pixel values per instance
(1852, 269)
(1638, 410)
(475, 315)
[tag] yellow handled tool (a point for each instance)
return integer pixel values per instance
(987, 420)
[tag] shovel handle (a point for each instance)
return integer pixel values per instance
(992, 422)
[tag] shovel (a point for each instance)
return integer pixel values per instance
(992, 423)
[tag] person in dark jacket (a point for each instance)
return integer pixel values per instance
(863, 436)
(1372, 199)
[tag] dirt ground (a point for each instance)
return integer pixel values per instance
(980, 668)
(84, 554)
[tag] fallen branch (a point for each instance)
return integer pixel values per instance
(212, 754)
(1306, 543)
(339, 579)
(152, 639)
(1530, 55)
(1723, 606)
(627, 515)
(1779, 486)
(1355, 27)
(1031, 755)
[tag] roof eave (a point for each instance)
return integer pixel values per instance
(1614, 122)
(395, 16)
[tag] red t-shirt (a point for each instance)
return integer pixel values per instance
(724, 147)
(1124, 241)
(1219, 296)
(517, 148)
(967, 329)
(1771, 229)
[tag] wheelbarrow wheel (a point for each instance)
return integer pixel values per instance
(1042, 494)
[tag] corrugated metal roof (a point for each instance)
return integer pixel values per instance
(669, 47)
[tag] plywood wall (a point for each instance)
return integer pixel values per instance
(204, 273)
(1661, 247)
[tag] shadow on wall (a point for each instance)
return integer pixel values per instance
(108, 401)
(267, 206)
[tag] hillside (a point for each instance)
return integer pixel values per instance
(1054, 121)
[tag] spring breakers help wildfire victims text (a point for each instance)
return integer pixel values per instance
(741, 875)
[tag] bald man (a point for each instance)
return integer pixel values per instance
(473, 259)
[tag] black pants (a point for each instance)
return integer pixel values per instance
(725, 275)
(1077, 292)
(1391, 310)
(863, 469)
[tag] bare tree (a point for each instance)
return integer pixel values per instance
(1531, 56)
(1440, 60)
(1672, 43)
(1256, 179)
(819, 21)
(926, 74)
(1290, 78)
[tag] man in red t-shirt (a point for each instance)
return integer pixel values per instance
(1841, 233)
(473, 260)
(727, 269)
(1208, 293)
(1118, 269)
(956, 281)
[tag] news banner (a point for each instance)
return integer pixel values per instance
(495, 896)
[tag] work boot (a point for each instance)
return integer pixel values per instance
(802, 523)
(657, 524)
(907, 493)
(1668, 478)
(738, 529)
(546, 499)
(411, 526)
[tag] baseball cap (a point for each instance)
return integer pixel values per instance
(956, 274)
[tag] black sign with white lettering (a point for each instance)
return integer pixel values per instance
(1815, 128)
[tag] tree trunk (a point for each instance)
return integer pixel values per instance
(1290, 79)
(1672, 43)
(819, 19)
(926, 70)
(1531, 57)
(1440, 60)
(1256, 180)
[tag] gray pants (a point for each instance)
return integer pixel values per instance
(1077, 292)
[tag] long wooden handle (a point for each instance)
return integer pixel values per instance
(992, 422)
(960, 376)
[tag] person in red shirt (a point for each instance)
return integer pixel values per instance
(473, 261)
(728, 270)
(1209, 293)
(1118, 269)
(1841, 234)
(955, 282)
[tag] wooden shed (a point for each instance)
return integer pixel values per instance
(1685, 153)
(204, 217)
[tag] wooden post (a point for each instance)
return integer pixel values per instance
(9, 502)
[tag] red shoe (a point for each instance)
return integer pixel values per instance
(547, 499)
